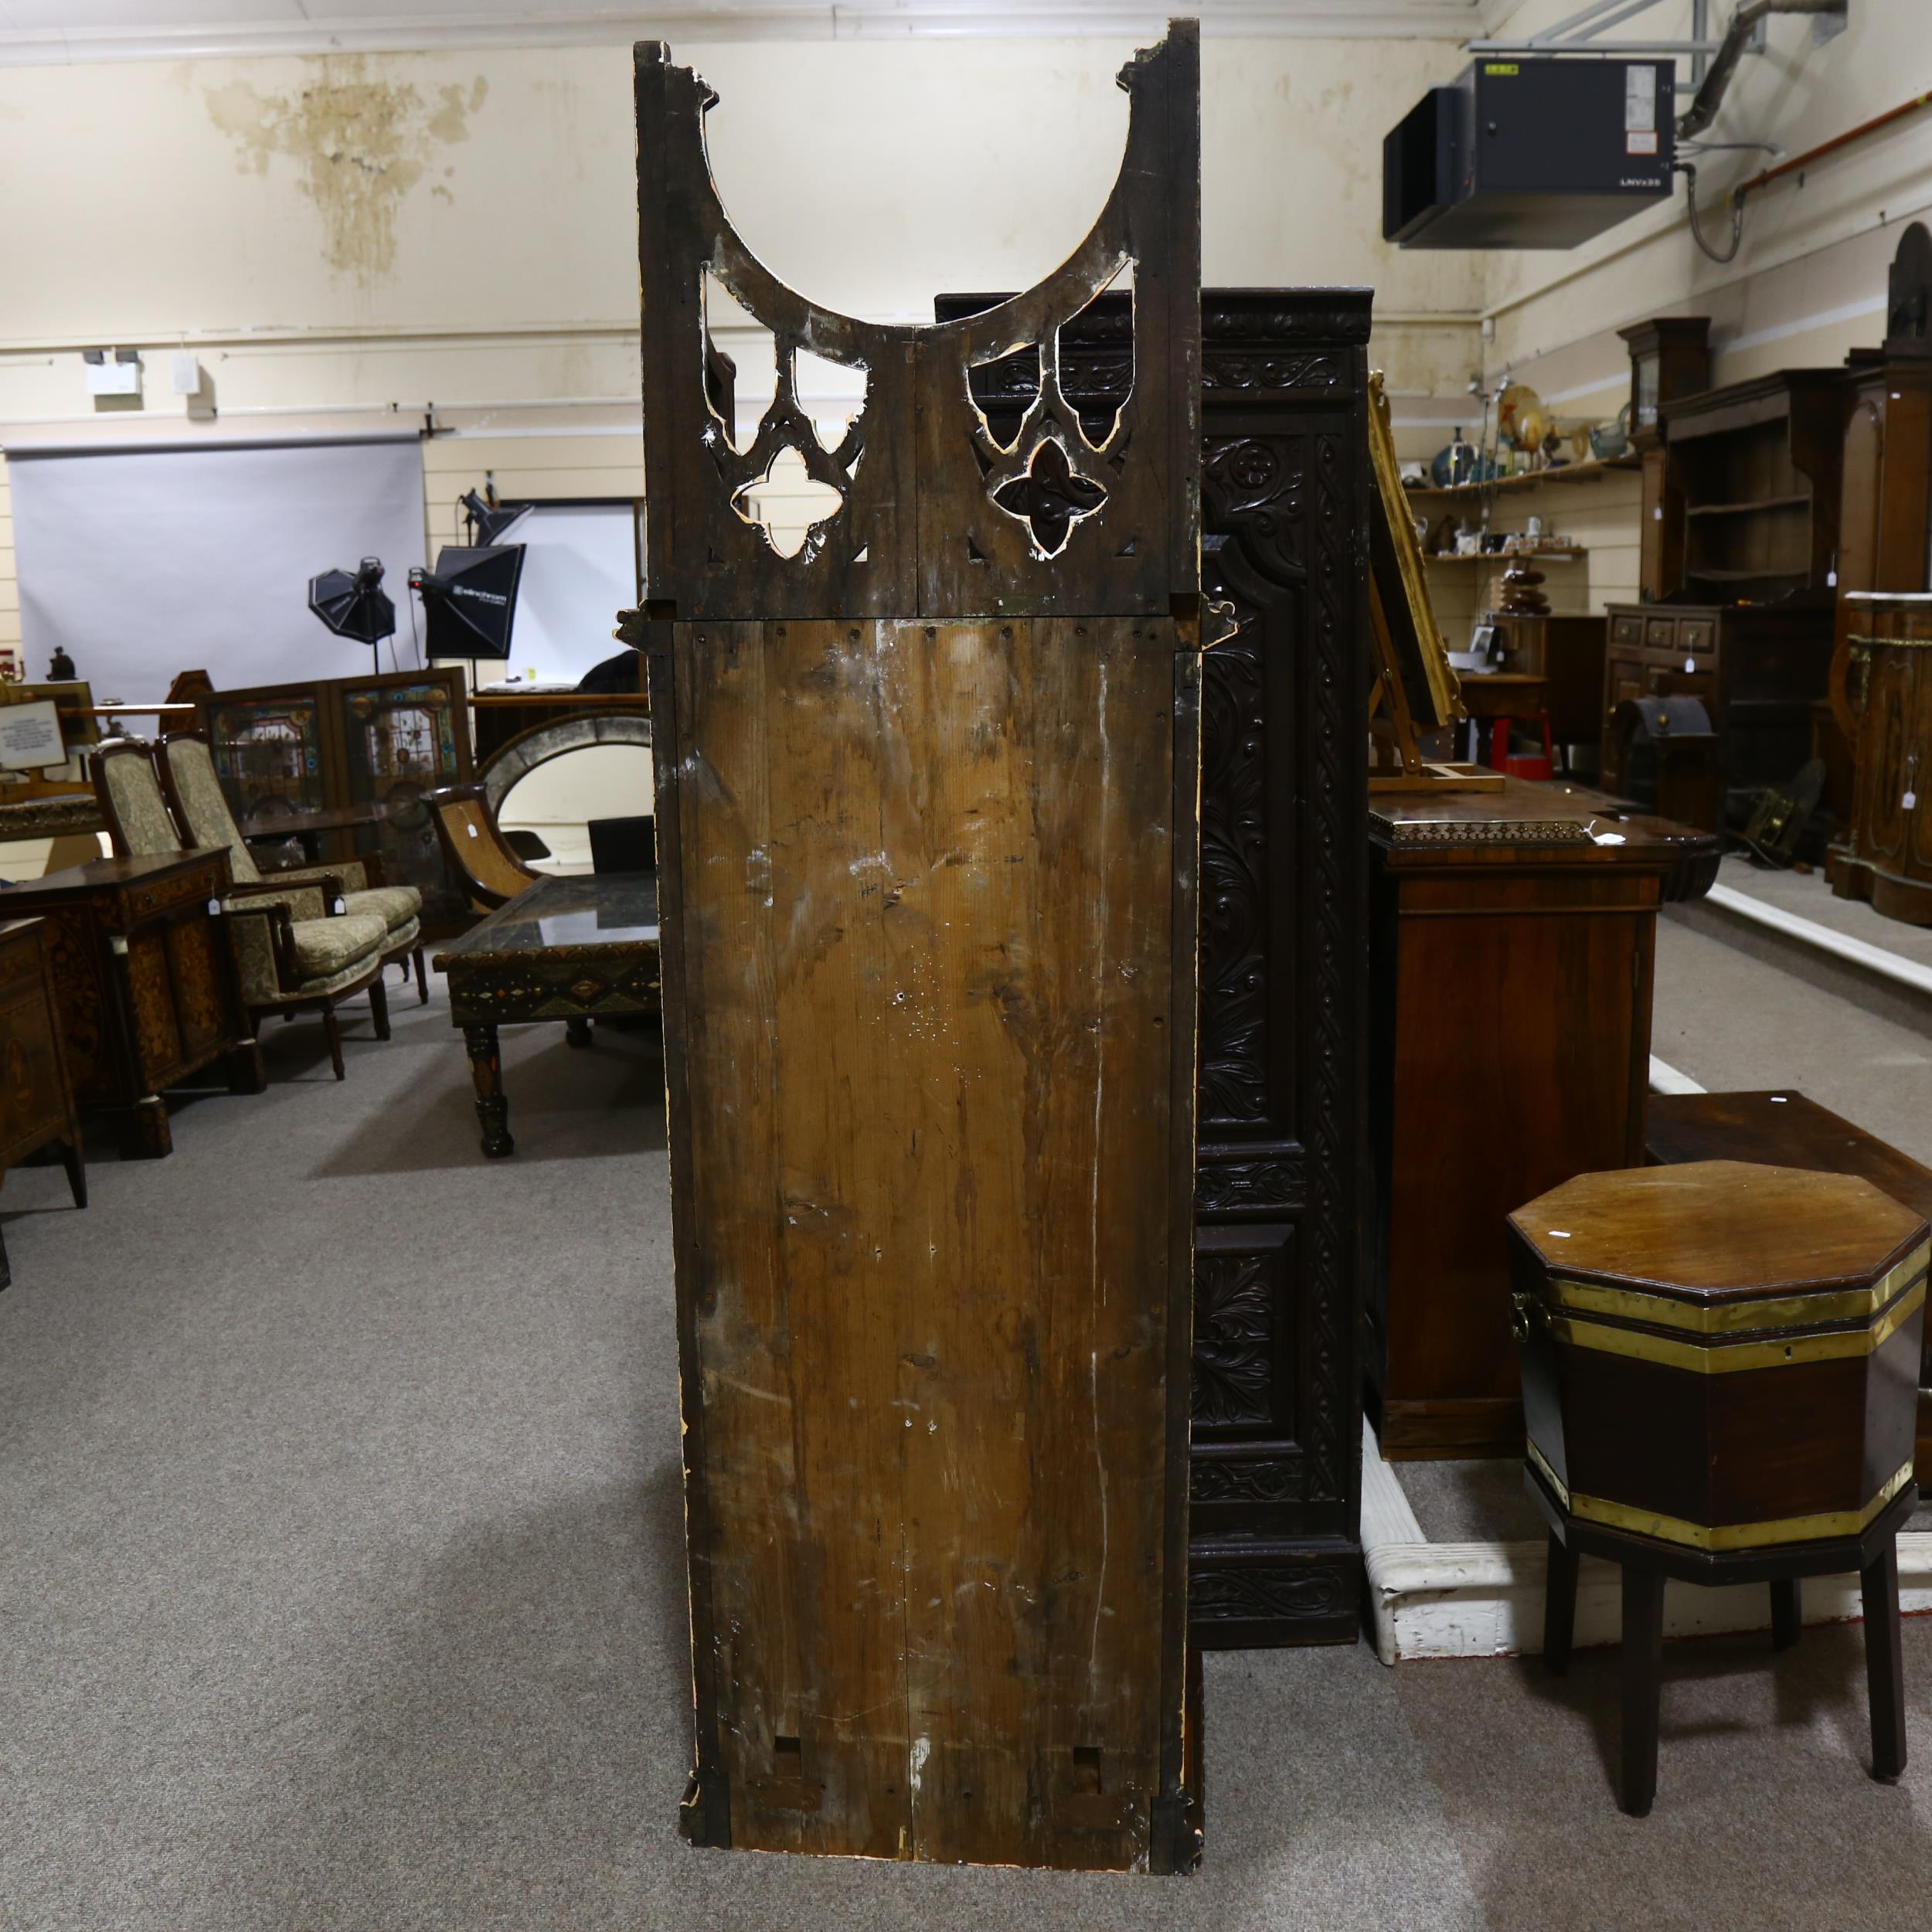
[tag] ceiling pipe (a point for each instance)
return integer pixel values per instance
(1710, 97)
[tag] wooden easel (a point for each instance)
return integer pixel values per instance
(1408, 647)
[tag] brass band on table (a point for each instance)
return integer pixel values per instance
(1736, 1315)
(1741, 1535)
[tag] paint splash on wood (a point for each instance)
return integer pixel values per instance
(359, 143)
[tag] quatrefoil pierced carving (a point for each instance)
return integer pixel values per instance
(1049, 496)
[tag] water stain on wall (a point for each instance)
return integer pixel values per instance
(361, 144)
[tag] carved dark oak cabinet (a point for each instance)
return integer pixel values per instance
(928, 839)
(1275, 1551)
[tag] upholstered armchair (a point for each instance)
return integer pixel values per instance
(195, 795)
(296, 950)
(480, 854)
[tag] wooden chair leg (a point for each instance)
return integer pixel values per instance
(1885, 1662)
(422, 979)
(1643, 1685)
(334, 1035)
(379, 1005)
(72, 1159)
(1788, 1612)
(1560, 1606)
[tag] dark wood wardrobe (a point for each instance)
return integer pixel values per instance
(1275, 1539)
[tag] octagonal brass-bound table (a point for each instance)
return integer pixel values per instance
(1719, 1368)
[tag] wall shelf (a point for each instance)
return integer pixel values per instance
(1505, 558)
(1591, 470)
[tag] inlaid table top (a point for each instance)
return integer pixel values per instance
(561, 916)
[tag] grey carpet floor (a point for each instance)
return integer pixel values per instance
(342, 1588)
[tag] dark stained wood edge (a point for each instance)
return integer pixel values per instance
(1183, 1006)
(1181, 268)
(706, 1816)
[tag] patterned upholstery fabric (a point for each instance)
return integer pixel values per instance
(395, 906)
(302, 902)
(326, 947)
(404, 939)
(349, 871)
(192, 771)
(139, 804)
(328, 952)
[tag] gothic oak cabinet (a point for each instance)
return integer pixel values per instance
(1275, 1553)
(928, 839)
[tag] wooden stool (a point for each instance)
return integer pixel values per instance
(1720, 1364)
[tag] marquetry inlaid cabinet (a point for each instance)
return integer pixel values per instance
(1275, 1538)
(145, 980)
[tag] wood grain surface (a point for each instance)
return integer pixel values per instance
(926, 876)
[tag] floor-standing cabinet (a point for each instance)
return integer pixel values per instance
(929, 837)
(1275, 1544)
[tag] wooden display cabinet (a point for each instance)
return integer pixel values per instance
(146, 982)
(1511, 948)
(36, 1097)
(1275, 1538)
(332, 743)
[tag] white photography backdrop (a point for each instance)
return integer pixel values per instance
(579, 571)
(143, 561)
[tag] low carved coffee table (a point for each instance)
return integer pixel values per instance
(574, 949)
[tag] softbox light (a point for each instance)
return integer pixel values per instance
(488, 521)
(355, 606)
(469, 599)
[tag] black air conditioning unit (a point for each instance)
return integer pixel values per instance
(1530, 154)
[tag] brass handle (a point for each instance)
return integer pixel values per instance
(1523, 1310)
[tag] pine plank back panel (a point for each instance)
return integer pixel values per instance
(928, 828)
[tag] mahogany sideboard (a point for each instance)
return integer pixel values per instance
(1511, 943)
(145, 980)
(1275, 1539)
(36, 1097)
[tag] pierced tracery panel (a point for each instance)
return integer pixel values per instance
(922, 509)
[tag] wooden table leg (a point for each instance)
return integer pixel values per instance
(146, 1134)
(576, 1030)
(1885, 1662)
(1788, 1612)
(379, 1005)
(486, 1071)
(422, 978)
(246, 1073)
(332, 1031)
(75, 1162)
(1643, 1684)
(1560, 1606)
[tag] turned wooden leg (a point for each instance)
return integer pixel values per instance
(379, 1006)
(1643, 1684)
(576, 1030)
(245, 1072)
(1885, 1662)
(486, 1071)
(422, 978)
(334, 1033)
(1560, 1606)
(1788, 1612)
(72, 1160)
(145, 1135)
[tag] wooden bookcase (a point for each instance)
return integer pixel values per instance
(1741, 533)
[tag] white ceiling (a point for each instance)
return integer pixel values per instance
(41, 32)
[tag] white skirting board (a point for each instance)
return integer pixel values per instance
(1486, 1600)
